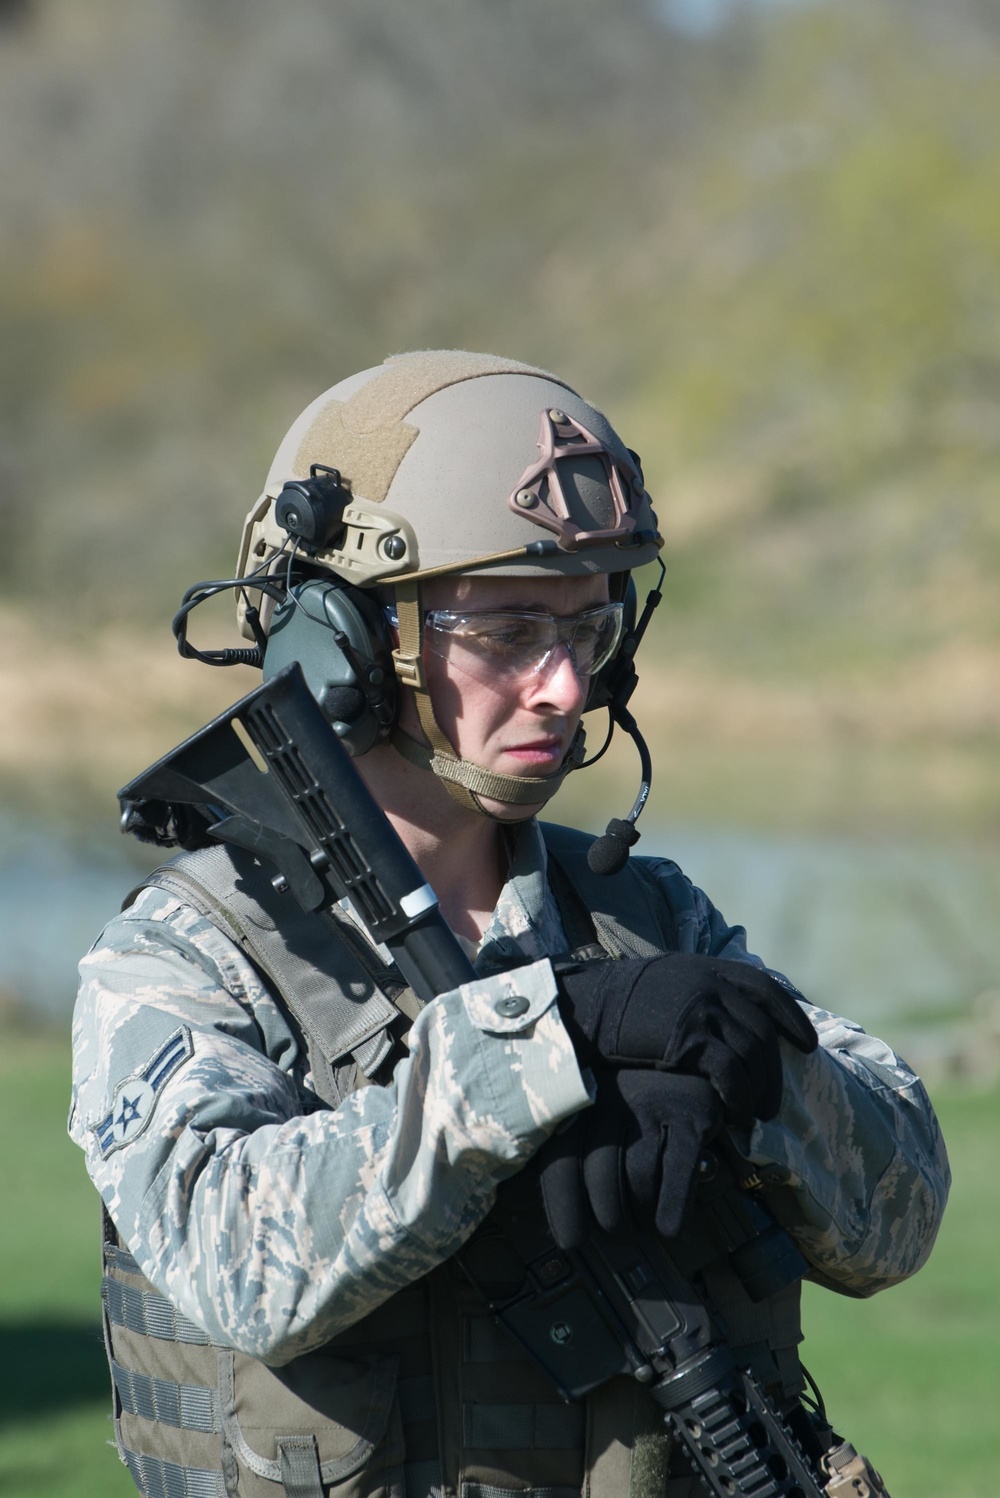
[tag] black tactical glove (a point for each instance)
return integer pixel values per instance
(632, 1159)
(684, 1012)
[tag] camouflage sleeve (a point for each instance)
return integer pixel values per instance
(268, 1219)
(854, 1161)
(857, 1149)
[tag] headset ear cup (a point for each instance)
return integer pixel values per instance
(341, 639)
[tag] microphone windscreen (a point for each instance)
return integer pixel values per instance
(609, 854)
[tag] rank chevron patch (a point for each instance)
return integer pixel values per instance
(135, 1098)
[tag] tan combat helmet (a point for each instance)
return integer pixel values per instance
(450, 463)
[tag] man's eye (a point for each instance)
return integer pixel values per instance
(586, 635)
(508, 637)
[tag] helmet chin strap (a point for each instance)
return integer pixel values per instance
(465, 781)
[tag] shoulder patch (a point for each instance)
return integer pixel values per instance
(135, 1098)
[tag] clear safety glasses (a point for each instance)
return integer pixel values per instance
(509, 644)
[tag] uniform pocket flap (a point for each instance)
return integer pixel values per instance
(343, 1401)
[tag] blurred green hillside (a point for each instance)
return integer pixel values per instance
(771, 251)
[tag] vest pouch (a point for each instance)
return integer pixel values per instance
(197, 1420)
(322, 1413)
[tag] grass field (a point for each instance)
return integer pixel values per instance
(909, 1376)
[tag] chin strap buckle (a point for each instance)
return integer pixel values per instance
(409, 669)
(407, 654)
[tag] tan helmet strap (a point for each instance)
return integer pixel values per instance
(410, 670)
(462, 775)
(464, 780)
(410, 667)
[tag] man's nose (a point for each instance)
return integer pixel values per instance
(558, 682)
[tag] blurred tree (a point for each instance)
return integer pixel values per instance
(16, 12)
(773, 250)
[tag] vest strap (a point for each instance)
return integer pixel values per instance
(423, 1479)
(310, 961)
(650, 930)
(416, 1399)
(575, 917)
(298, 1457)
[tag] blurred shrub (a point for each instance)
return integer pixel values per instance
(772, 251)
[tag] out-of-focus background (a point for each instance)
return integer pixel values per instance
(765, 236)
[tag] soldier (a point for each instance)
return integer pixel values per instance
(291, 1151)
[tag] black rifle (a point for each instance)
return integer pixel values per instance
(269, 775)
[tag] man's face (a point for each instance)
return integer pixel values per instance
(521, 723)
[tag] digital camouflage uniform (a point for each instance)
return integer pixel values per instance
(272, 1223)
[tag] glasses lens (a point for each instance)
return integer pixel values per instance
(595, 637)
(490, 645)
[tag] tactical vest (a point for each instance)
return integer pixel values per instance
(428, 1395)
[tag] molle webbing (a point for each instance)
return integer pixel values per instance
(185, 1406)
(520, 1427)
(160, 1479)
(150, 1401)
(193, 1417)
(148, 1313)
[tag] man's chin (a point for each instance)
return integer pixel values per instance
(504, 811)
